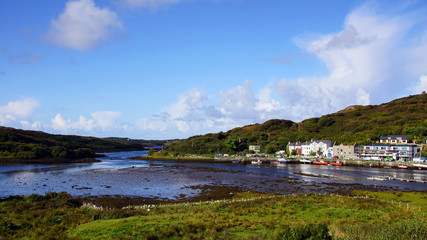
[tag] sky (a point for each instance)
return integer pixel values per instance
(163, 69)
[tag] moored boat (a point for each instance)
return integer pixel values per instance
(304, 161)
(257, 162)
(402, 166)
(420, 166)
(336, 164)
(320, 163)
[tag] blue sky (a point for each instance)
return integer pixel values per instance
(158, 69)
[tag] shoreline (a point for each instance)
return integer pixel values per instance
(47, 160)
(247, 160)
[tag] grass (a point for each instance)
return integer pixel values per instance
(382, 215)
(288, 217)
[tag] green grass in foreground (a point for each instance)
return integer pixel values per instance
(381, 216)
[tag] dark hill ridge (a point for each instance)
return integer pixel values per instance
(361, 124)
(25, 144)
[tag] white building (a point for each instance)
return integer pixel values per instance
(394, 139)
(396, 152)
(320, 147)
(305, 149)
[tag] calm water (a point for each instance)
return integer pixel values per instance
(109, 177)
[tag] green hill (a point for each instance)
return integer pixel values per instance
(23, 144)
(361, 124)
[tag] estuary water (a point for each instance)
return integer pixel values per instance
(118, 175)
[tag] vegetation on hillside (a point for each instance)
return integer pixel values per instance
(23, 144)
(389, 215)
(355, 124)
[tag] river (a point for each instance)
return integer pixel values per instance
(117, 175)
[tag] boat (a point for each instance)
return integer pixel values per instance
(320, 163)
(304, 161)
(420, 166)
(380, 178)
(402, 166)
(257, 162)
(336, 164)
(282, 160)
(236, 161)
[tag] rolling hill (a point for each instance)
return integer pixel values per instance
(24, 144)
(354, 124)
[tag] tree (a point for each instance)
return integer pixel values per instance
(231, 144)
(151, 152)
(59, 152)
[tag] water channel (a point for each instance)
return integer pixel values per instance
(117, 175)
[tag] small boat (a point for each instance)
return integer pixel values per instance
(420, 166)
(376, 178)
(304, 161)
(336, 164)
(320, 163)
(402, 166)
(257, 162)
(236, 161)
(282, 160)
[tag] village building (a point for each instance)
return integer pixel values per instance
(295, 148)
(405, 152)
(320, 147)
(254, 148)
(347, 151)
(394, 139)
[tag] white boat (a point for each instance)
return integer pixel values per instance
(282, 160)
(257, 162)
(304, 161)
(420, 166)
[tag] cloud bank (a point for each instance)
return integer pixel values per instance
(15, 111)
(82, 25)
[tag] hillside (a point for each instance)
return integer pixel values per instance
(23, 144)
(361, 124)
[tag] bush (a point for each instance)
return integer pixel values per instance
(36, 197)
(318, 232)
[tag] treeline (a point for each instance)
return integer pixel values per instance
(23, 144)
(355, 124)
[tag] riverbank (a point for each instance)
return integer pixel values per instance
(269, 160)
(47, 160)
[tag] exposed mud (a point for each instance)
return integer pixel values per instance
(205, 183)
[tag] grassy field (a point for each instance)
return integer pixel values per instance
(362, 215)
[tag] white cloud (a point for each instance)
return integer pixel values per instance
(102, 123)
(106, 119)
(66, 125)
(195, 113)
(17, 110)
(421, 86)
(82, 25)
(152, 4)
(374, 57)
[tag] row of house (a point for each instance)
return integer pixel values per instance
(318, 147)
(393, 147)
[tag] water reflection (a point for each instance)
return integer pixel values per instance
(116, 174)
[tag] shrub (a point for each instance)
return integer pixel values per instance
(35, 197)
(310, 231)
